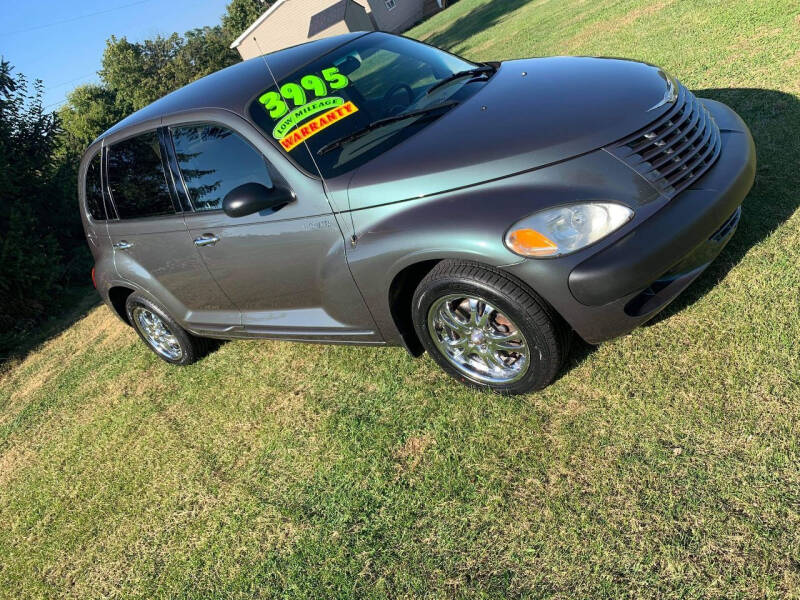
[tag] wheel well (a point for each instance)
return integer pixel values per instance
(118, 296)
(401, 292)
(405, 284)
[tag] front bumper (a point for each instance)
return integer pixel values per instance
(626, 283)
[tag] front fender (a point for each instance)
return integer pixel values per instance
(470, 223)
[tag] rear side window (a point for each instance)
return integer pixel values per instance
(94, 190)
(136, 178)
(213, 160)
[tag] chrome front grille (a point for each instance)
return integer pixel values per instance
(676, 149)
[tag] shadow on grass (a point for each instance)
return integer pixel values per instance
(774, 120)
(475, 21)
(74, 304)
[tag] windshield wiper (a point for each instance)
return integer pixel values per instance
(485, 69)
(380, 123)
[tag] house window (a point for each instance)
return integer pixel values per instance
(391, 4)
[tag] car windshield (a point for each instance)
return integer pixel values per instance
(336, 112)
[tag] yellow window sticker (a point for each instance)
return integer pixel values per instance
(298, 115)
(313, 127)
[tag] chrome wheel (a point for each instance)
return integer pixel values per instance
(157, 334)
(478, 339)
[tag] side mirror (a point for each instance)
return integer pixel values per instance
(250, 198)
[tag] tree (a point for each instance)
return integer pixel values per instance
(240, 14)
(140, 73)
(89, 111)
(29, 250)
(137, 72)
(203, 52)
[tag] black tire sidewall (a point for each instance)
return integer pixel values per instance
(185, 339)
(544, 340)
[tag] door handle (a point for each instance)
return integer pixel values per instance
(207, 239)
(123, 245)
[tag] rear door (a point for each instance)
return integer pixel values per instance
(285, 270)
(152, 247)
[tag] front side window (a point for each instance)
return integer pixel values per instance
(213, 160)
(93, 190)
(136, 178)
(344, 92)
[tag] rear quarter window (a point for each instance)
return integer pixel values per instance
(136, 178)
(93, 190)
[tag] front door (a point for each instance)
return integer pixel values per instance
(152, 248)
(285, 270)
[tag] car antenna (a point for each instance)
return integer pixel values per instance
(354, 237)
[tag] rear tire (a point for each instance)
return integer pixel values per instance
(486, 330)
(162, 334)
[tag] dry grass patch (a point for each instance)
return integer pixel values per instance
(25, 379)
(411, 453)
(13, 460)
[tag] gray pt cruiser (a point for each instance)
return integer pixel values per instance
(371, 189)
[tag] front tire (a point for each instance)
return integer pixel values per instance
(162, 334)
(486, 330)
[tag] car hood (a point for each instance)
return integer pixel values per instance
(531, 113)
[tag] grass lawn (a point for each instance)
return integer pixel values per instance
(663, 464)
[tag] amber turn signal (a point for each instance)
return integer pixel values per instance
(530, 242)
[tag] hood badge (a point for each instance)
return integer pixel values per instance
(670, 94)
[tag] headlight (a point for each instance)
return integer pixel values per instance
(565, 229)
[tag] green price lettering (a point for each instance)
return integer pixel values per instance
(293, 92)
(314, 84)
(274, 104)
(336, 79)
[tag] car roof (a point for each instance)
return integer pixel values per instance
(232, 88)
